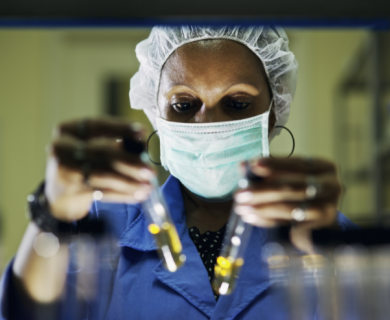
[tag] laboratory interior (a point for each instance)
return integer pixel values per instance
(340, 113)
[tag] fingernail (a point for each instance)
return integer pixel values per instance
(261, 171)
(146, 174)
(243, 210)
(243, 183)
(249, 218)
(253, 162)
(140, 195)
(243, 197)
(137, 127)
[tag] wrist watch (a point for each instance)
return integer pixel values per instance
(39, 212)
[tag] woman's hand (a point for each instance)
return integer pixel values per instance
(303, 192)
(87, 160)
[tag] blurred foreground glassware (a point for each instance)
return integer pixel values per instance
(161, 225)
(307, 275)
(90, 269)
(93, 261)
(346, 279)
(231, 257)
(380, 264)
(163, 229)
(278, 264)
(230, 260)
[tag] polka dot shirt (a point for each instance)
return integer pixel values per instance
(208, 245)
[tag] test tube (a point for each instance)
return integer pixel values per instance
(160, 225)
(163, 229)
(230, 261)
(231, 258)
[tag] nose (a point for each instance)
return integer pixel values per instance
(211, 113)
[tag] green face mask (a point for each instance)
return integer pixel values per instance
(206, 157)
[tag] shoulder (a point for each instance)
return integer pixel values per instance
(345, 223)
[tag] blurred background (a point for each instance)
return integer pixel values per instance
(340, 111)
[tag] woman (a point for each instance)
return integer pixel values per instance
(209, 92)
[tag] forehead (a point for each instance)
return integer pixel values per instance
(209, 61)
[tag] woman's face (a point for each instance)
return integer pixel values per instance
(213, 81)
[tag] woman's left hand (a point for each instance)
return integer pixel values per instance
(300, 191)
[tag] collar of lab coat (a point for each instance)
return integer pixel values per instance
(191, 280)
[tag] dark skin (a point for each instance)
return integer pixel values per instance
(222, 80)
(198, 90)
(209, 81)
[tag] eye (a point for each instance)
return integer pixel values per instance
(238, 104)
(182, 106)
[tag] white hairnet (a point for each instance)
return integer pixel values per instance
(270, 44)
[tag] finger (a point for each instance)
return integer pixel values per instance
(58, 174)
(284, 191)
(118, 184)
(269, 196)
(329, 219)
(282, 212)
(111, 196)
(257, 221)
(109, 127)
(313, 166)
(99, 156)
(140, 173)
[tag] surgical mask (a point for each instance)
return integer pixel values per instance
(206, 157)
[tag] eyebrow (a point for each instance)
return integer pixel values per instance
(235, 87)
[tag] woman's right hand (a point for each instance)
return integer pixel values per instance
(88, 156)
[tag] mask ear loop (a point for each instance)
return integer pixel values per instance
(147, 149)
(293, 141)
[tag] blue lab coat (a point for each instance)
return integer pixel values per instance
(143, 289)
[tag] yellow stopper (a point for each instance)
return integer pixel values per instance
(154, 228)
(223, 262)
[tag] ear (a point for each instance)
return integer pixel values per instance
(271, 122)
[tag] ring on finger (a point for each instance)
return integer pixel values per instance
(79, 153)
(312, 187)
(82, 129)
(298, 214)
(309, 164)
(86, 171)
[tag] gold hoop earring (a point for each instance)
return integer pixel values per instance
(147, 149)
(293, 141)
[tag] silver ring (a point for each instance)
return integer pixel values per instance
(312, 187)
(86, 171)
(309, 163)
(298, 214)
(82, 131)
(79, 153)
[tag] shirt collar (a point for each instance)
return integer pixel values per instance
(137, 236)
(253, 279)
